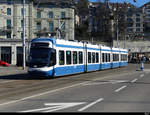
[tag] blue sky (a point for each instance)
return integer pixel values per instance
(137, 3)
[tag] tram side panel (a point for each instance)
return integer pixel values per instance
(93, 57)
(70, 58)
(123, 57)
(105, 57)
(115, 57)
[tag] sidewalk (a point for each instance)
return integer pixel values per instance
(12, 70)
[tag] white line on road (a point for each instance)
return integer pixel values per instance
(134, 80)
(91, 104)
(119, 89)
(142, 75)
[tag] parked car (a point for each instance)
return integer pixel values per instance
(3, 63)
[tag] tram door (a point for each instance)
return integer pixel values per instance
(6, 54)
(19, 56)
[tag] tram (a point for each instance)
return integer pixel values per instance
(52, 57)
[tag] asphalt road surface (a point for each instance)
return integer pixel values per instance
(124, 89)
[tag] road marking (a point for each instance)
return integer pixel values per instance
(105, 82)
(40, 94)
(91, 104)
(118, 81)
(119, 89)
(134, 80)
(55, 107)
(142, 75)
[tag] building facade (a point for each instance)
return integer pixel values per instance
(43, 18)
(135, 21)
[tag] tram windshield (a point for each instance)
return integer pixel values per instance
(41, 57)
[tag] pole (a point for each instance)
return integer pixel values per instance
(117, 33)
(23, 40)
(117, 25)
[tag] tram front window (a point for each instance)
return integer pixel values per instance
(40, 57)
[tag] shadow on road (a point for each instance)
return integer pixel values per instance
(23, 76)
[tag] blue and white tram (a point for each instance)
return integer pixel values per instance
(57, 57)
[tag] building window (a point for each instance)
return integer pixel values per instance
(9, 1)
(22, 35)
(38, 26)
(137, 29)
(63, 15)
(22, 24)
(22, 11)
(8, 34)
(8, 24)
(51, 15)
(51, 26)
(137, 15)
(63, 25)
(51, 5)
(38, 14)
(138, 24)
(130, 24)
(8, 11)
(137, 19)
(130, 30)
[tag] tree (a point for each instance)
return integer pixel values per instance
(82, 11)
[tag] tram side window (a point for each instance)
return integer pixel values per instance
(68, 57)
(115, 57)
(89, 57)
(108, 57)
(93, 57)
(80, 57)
(103, 57)
(126, 58)
(61, 58)
(74, 57)
(123, 57)
(53, 58)
(97, 58)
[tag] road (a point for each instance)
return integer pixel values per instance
(116, 90)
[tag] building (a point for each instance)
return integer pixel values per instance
(146, 11)
(135, 21)
(42, 18)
